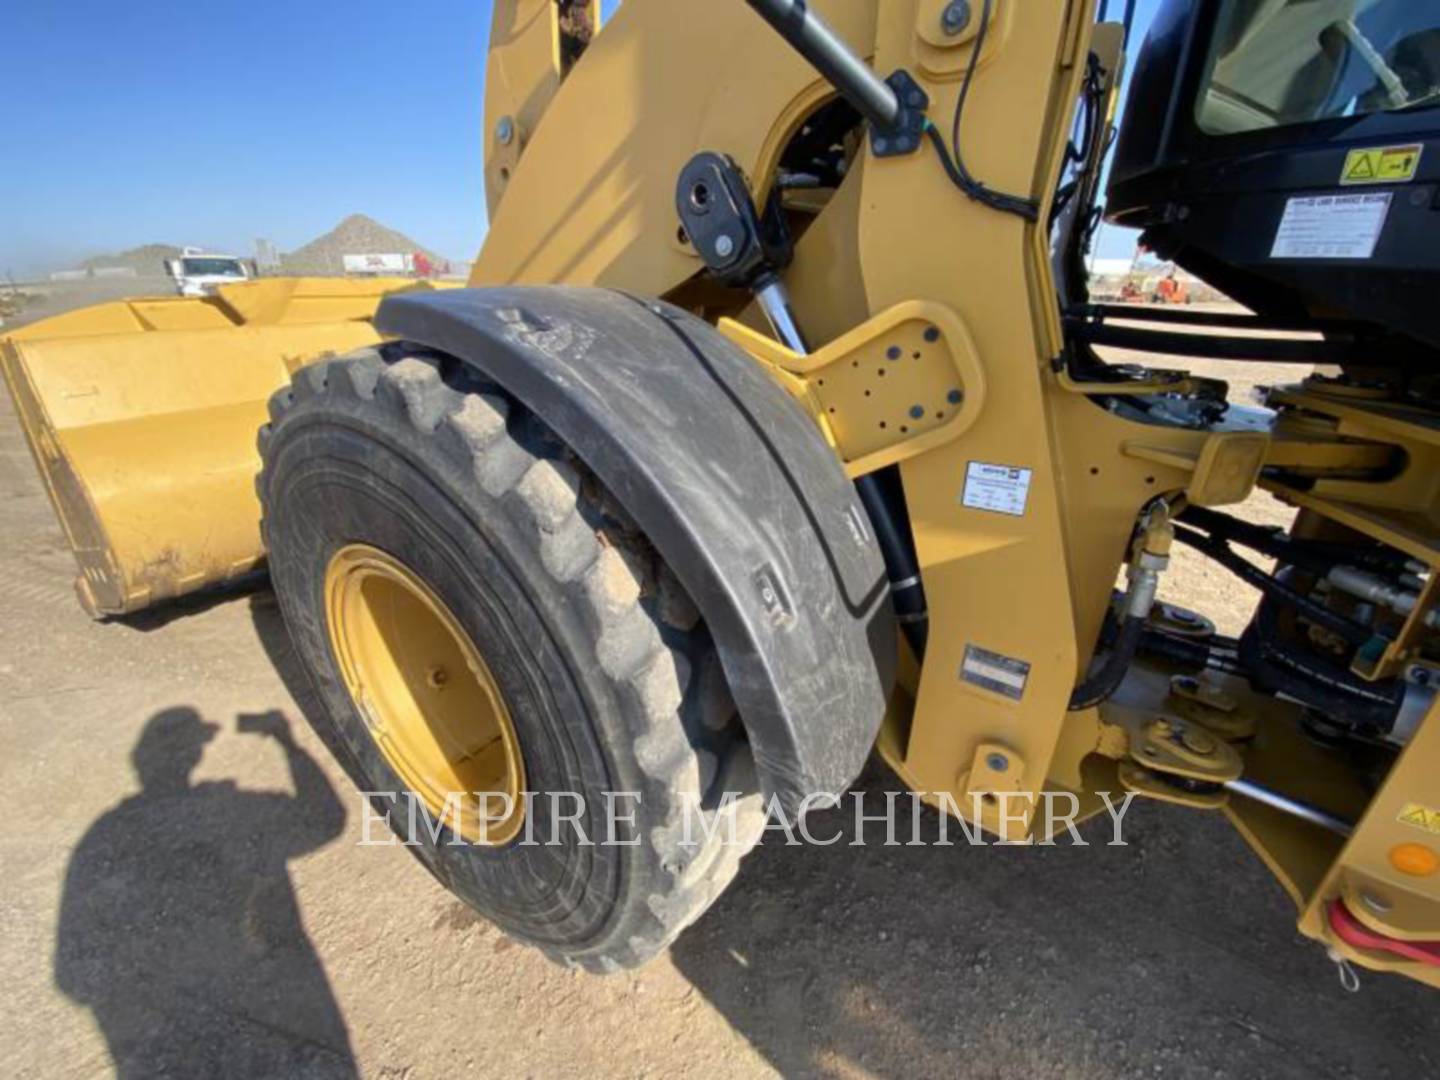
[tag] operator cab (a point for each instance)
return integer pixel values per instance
(1288, 153)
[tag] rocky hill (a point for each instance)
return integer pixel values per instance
(145, 260)
(356, 235)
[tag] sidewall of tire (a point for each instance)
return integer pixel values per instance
(342, 468)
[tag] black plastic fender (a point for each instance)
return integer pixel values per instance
(732, 482)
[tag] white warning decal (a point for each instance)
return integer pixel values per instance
(1331, 227)
(1004, 489)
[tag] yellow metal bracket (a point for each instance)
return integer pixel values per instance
(1196, 698)
(994, 788)
(1225, 469)
(1163, 748)
(900, 384)
(1153, 381)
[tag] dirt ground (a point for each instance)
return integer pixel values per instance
(242, 891)
(56, 297)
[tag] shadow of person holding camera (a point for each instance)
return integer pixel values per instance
(179, 928)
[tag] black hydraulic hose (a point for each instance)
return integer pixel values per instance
(1193, 654)
(881, 494)
(1225, 655)
(1270, 644)
(1106, 679)
(1320, 683)
(1261, 537)
(1188, 654)
(1318, 557)
(1264, 539)
(907, 593)
(1219, 550)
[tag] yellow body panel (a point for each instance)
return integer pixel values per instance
(591, 198)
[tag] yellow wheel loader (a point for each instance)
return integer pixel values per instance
(777, 426)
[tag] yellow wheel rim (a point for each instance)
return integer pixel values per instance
(426, 695)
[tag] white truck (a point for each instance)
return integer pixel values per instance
(197, 272)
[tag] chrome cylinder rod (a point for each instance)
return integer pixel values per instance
(809, 35)
(775, 302)
(1294, 807)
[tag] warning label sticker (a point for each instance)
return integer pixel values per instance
(1331, 227)
(1421, 817)
(1004, 489)
(1382, 165)
(995, 672)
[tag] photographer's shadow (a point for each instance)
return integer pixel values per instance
(179, 928)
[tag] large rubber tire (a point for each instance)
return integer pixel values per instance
(611, 678)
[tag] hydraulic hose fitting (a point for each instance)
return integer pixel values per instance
(1373, 589)
(1150, 557)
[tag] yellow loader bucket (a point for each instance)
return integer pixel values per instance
(142, 417)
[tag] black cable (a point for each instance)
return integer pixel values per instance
(1094, 99)
(954, 161)
(964, 94)
(1090, 136)
(1010, 204)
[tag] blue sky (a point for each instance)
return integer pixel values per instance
(215, 123)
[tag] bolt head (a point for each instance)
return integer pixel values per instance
(955, 17)
(917, 411)
(1198, 742)
(505, 131)
(997, 763)
(954, 397)
(724, 246)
